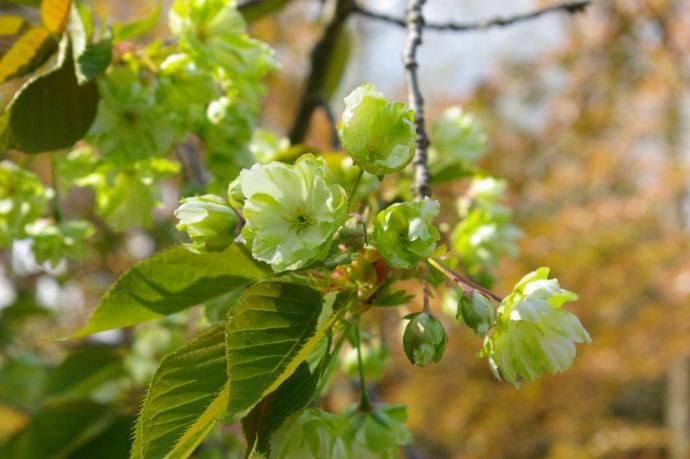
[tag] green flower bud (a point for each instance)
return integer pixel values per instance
(209, 222)
(291, 212)
(457, 135)
(235, 196)
(379, 135)
(404, 232)
(53, 242)
(477, 312)
(424, 339)
(533, 333)
(315, 433)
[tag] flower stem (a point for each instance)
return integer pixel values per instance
(364, 404)
(355, 183)
(458, 279)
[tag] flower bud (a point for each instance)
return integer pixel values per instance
(424, 339)
(379, 135)
(477, 312)
(404, 233)
(209, 222)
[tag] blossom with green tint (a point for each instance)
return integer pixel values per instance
(291, 212)
(209, 221)
(379, 135)
(130, 124)
(379, 433)
(23, 199)
(457, 136)
(52, 242)
(476, 311)
(533, 333)
(424, 339)
(404, 233)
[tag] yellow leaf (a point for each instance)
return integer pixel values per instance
(11, 25)
(54, 14)
(27, 53)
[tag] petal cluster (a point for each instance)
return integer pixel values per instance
(404, 233)
(533, 333)
(291, 212)
(379, 135)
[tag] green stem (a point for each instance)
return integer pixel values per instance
(57, 214)
(350, 198)
(364, 404)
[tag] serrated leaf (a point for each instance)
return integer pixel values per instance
(273, 412)
(54, 14)
(52, 111)
(270, 333)
(32, 49)
(171, 281)
(90, 58)
(84, 370)
(58, 430)
(138, 28)
(187, 395)
(11, 24)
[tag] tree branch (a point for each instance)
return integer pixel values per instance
(321, 55)
(571, 7)
(415, 24)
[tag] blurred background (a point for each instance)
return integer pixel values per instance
(587, 118)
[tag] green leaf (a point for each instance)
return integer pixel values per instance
(91, 59)
(84, 370)
(187, 395)
(52, 111)
(137, 28)
(172, 281)
(269, 334)
(338, 62)
(251, 11)
(30, 50)
(114, 443)
(58, 430)
(274, 411)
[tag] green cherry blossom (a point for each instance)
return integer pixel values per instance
(533, 333)
(379, 135)
(404, 233)
(208, 220)
(291, 212)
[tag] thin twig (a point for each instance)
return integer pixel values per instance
(415, 24)
(335, 140)
(571, 7)
(458, 279)
(321, 55)
(191, 164)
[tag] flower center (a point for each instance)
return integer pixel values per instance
(301, 222)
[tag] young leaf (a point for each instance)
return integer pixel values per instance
(54, 14)
(28, 52)
(11, 24)
(273, 329)
(187, 395)
(170, 282)
(90, 58)
(137, 28)
(274, 411)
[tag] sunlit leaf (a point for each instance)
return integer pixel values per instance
(138, 28)
(28, 52)
(170, 282)
(11, 24)
(90, 58)
(52, 111)
(269, 334)
(187, 395)
(54, 14)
